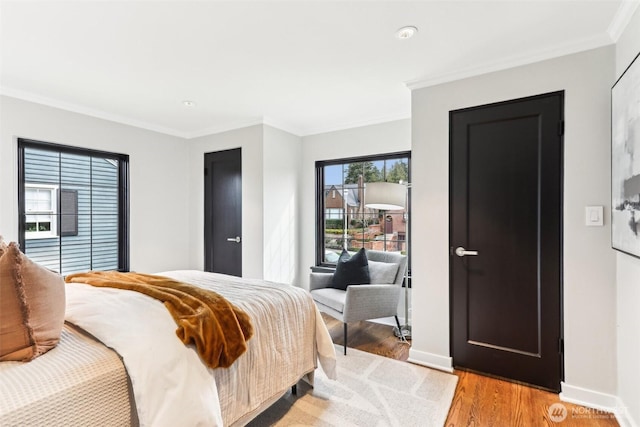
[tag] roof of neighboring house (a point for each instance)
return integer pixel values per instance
(351, 190)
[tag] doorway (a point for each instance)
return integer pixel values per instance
(223, 212)
(506, 239)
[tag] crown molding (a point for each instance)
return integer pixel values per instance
(308, 131)
(621, 19)
(515, 61)
(81, 109)
(238, 124)
(283, 125)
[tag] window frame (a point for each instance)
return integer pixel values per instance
(123, 191)
(319, 205)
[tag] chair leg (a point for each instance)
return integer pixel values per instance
(400, 329)
(345, 338)
(398, 323)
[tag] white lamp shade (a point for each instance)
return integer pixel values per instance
(386, 196)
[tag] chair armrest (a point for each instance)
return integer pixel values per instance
(320, 280)
(371, 302)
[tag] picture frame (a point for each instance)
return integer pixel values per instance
(625, 161)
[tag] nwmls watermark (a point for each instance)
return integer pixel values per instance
(581, 412)
(558, 412)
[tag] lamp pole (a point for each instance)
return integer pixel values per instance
(407, 326)
(386, 196)
(405, 330)
(345, 194)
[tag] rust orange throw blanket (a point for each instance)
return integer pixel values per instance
(218, 329)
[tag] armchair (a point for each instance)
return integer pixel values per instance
(361, 302)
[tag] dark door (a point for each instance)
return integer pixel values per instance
(223, 212)
(506, 205)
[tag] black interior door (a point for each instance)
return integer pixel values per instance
(506, 205)
(223, 212)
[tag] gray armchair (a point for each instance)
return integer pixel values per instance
(361, 302)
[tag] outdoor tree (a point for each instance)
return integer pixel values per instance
(399, 172)
(370, 172)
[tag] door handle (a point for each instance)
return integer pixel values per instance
(460, 251)
(234, 239)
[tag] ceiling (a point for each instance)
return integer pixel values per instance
(303, 66)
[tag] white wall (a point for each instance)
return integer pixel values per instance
(381, 138)
(628, 275)
(250, 140)
(589, 262)
(159, 220)
(270, 199)
(281, 187)
(167, 222)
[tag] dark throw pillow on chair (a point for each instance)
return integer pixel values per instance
(351, 270)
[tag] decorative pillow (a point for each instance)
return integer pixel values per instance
(351, 270)
(3, 246)
(383, 273)
(32, 303)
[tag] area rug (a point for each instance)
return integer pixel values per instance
(370, 391)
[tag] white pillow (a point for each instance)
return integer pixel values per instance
(383, 273)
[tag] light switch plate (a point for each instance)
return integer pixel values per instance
(594, 216)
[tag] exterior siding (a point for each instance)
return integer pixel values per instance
(95, 247)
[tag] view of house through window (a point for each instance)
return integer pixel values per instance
(73, 207)
(344, 220)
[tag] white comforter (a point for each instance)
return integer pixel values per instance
(171, 385)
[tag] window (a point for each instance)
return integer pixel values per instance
(73, 207)
(343, 220)
(333, 213)
(40, 209)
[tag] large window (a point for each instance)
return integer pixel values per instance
(73, 207)
(344, 221)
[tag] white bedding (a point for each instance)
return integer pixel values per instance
(170, 384)
(78, 383)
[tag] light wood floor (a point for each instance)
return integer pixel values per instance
(479, 400)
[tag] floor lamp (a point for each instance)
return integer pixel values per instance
(389, 196)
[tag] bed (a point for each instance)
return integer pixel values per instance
(119, 362)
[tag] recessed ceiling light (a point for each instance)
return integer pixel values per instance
(189, 104)
(406, 32)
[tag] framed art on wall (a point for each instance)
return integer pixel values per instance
(625, 161)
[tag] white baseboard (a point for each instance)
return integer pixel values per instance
(590, 398)
(597, 400)
(624, 420)
(623, 417)
(430, 360)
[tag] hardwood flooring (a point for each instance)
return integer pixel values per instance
(370, 337)
(479, 400)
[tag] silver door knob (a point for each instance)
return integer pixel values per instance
(234, 239)
(460, 251)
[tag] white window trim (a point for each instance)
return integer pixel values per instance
(32, 235)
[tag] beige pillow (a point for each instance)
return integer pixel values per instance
(32, 303)
(3, 246)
